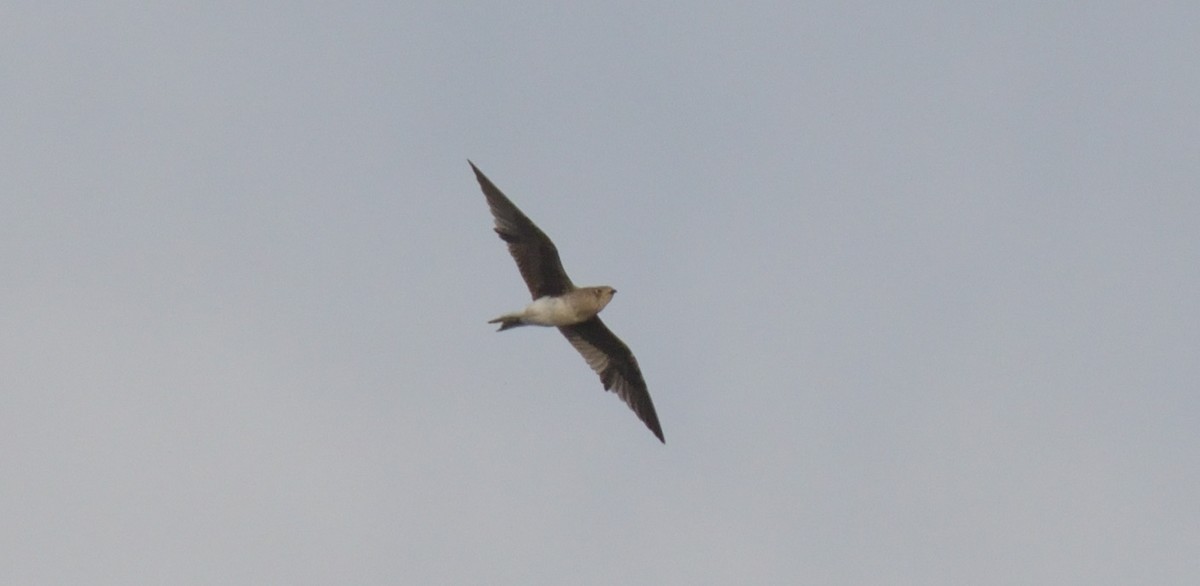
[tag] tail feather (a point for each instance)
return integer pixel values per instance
(507, 322)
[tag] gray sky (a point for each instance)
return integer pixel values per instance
(914, 289)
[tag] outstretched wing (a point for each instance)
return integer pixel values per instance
(618, 369)
(536, 256)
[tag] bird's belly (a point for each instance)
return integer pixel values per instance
(552, 311)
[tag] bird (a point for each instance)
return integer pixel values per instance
(557, 302)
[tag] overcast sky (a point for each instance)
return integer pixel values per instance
(914, 289)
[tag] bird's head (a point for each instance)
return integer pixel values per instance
(604, 294)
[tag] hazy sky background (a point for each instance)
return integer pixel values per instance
(915, 290)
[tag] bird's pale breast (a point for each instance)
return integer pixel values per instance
(558, 311)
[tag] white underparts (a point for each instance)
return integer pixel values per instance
(550, 312)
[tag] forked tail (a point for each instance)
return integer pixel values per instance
(507, 322)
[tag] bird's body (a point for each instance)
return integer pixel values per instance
(573, 310)
(574, 306)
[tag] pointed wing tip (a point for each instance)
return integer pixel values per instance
(478, 173)
(489, 189)
(654, 427)
(649, 418)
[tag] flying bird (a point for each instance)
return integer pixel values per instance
(557, 302)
